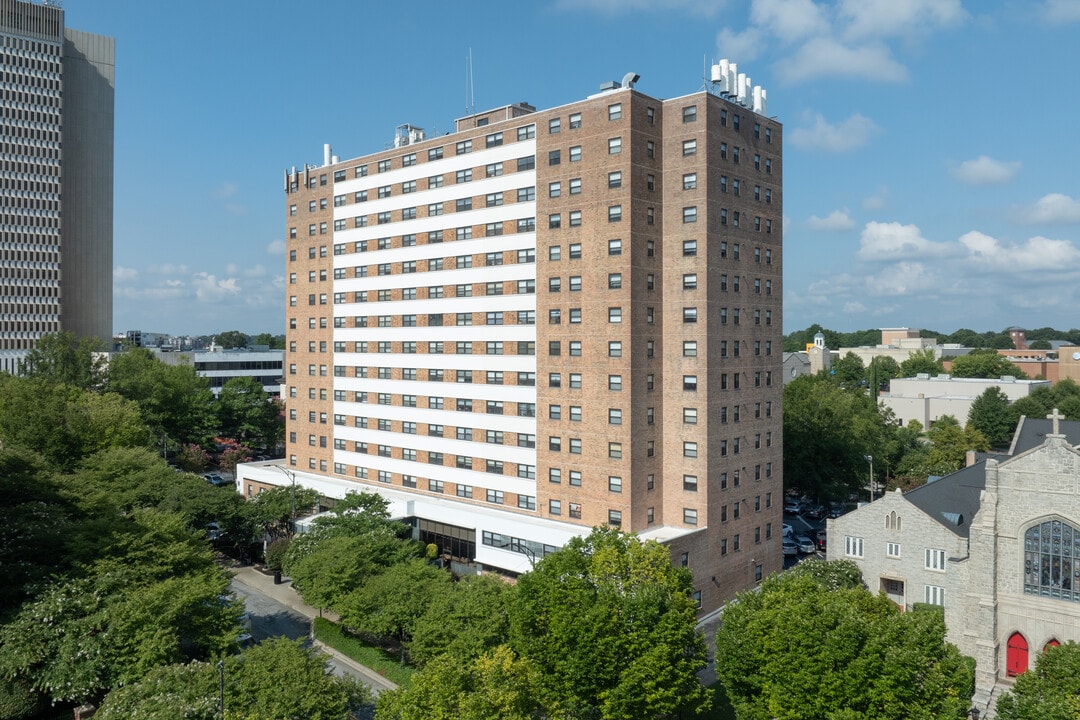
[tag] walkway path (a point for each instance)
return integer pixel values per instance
(287, 596)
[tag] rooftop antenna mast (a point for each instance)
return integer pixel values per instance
(470, 88)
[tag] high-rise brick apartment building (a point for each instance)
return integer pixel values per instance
(56, 179)
(546, 321)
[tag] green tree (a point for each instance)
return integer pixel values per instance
(272, 511)
(274, 342)
(990, 414)
(344, 547)
(828, 432)
(849, 371)
(150, 598)
(472, 619)
(1040, 345)
(950, 445)
(1051, 691)
(247, 413)
(64, 423)
(880, 372)
(921, 362)
(34, 521)
(176, 403)
(812, 643)
(984, 364)
(232, 339)
(63, 359)
(389, 604)
(610, 624)
(494, 685)
(278, 678)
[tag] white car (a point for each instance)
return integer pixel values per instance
(788, 531)
(789, 547)
(805, 544)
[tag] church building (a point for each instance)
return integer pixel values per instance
(997, 544)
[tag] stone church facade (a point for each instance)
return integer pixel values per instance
(997, 544)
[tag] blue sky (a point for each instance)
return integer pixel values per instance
(930, 145)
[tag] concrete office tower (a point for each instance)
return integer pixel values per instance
(546, 321)
(56, 179)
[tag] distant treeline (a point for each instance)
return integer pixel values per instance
(993, 339)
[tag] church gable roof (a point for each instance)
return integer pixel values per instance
(952, 500)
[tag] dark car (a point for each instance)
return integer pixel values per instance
(836, 510)
(814, 512)
(819, 540)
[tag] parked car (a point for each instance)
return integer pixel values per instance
(213, 531)
(793, 507)
(805, 544)
(788, 531)
(836, 510)
(216, 480)
(790, 548)
(815, 512)
(820, 537)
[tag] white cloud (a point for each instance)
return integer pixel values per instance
(1061, 11)
(789, 20)
(876, 201)
(904, 278)
(123, 274)
(275, 247)
(985, 170)
(893, 241)
(255, 271)
(884, 18)
(1052, 209)
(168, 269)
(1037, 254)
(226, 190)
(836, 221)
(854, 307)
(211, 289)
(825, 56)
(849, 134)
(744, 46)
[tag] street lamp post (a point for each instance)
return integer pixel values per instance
(870, 459)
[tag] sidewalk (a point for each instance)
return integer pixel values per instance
(287, 596)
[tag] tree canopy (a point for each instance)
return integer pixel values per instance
(63, 359)
(1051, 691)
(812, 643)
(174, 400)
(991, 415)
(984, 364)
(828, 432)
(277, 678)
(921, 362)
(247, 413)
(609, 623)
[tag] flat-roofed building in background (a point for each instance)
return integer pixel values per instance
(545, 321)
(56, 180)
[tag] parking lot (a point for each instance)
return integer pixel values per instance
(803, 525)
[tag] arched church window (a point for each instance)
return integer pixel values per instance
(892, 521)
(1051, 552)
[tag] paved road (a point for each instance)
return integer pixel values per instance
(277, 610)
(269, 618)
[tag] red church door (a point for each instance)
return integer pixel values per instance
(1016, 657)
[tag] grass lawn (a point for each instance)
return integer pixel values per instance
(373, 657)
